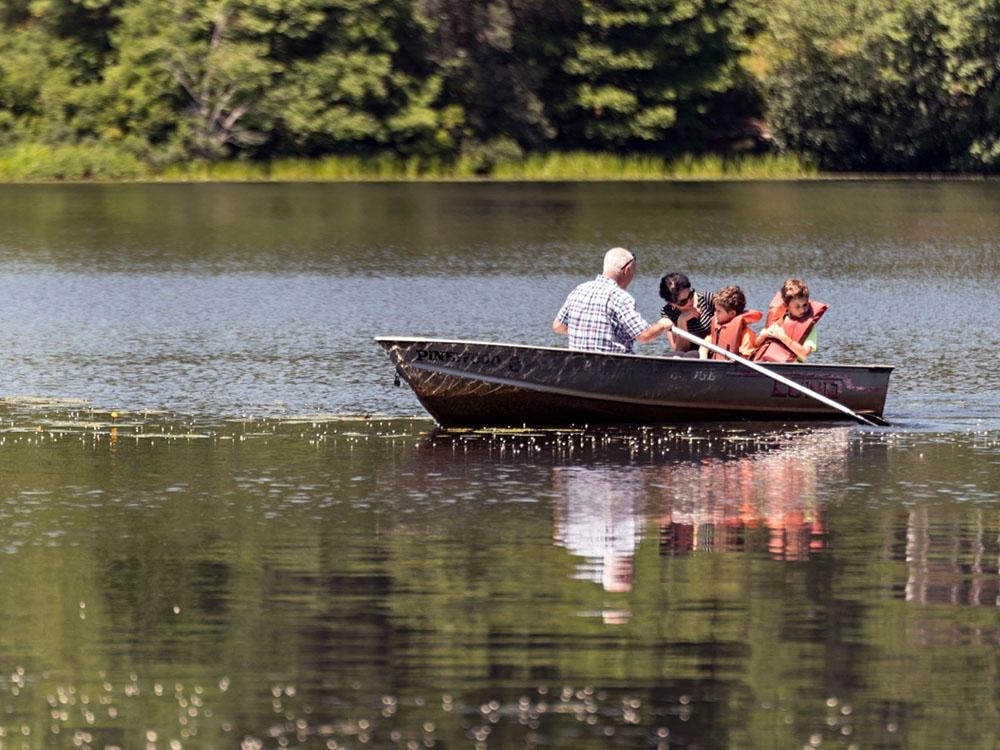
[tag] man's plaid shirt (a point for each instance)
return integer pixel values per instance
(601, 317)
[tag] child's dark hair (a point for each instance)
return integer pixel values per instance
(672, 285)
(731, 298)
(793, 288)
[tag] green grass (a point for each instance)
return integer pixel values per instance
(588, 166)
(540, 167)
(83, 161)
(98, 161)
(323, 169)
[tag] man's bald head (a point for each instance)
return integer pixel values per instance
(619, 266)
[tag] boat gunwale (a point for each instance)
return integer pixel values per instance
(651, 357)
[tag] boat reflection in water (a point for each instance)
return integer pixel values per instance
(952, 556)
(744, 494)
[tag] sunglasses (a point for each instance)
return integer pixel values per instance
(685, 300)
(629, 262)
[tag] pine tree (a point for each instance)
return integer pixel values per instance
(646, 72)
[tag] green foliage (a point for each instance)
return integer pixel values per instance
(82, 161)
(975, 79)
(52, 55)
(468, 87)
(497, 59)
(193, 72)
(348, 85)
(874, 85)
(648, 72)
(484, 158)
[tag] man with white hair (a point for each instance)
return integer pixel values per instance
(600, 315)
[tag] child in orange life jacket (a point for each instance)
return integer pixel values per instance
(790, 335)
(731, 324)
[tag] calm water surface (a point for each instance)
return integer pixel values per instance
(222, 526)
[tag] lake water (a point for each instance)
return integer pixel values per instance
(221, 525)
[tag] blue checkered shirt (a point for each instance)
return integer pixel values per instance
(601, 317)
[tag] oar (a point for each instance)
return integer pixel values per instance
(871, 420)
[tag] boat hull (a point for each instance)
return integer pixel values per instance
(474, 384)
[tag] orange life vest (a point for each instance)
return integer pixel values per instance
(729, 335)
(775, 309)
(773, 350)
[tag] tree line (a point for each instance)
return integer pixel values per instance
(871, 85)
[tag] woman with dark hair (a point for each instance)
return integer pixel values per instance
(686, 308)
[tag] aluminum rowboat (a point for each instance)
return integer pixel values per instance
(480, 384)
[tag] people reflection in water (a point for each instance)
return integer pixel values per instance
(597, 518)
(763, 501)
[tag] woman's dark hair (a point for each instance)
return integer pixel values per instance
(672, 285)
